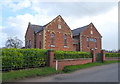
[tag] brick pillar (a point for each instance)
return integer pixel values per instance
(93, 56)
(50, 58)
(103, 55)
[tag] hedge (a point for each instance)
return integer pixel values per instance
(71, 55)
(23, 58)
(112, 54)
(14, 59)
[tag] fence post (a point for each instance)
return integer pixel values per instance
(93, 56)
(50, 58)
(103, 55)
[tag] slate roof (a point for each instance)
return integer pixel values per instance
(79, 30)
(37, 28)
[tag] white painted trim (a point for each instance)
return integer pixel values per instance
(56, 67)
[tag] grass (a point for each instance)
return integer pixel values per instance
(0, 76)
(72, 68)
(20, 74)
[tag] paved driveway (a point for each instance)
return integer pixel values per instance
(105, 73)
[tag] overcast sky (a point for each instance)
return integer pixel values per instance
(15, 15)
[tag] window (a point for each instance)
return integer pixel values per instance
(30, 44)
(65, 40)
(52, 38)
(87, 42)
(91, 32)
(92, 39)
(26, 44)
(59, 26)
(95, 43)
(40, 45)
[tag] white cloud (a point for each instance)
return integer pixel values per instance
(17, 4)
(0, 28)
(3, 38)
(17, 26)
(106, 24)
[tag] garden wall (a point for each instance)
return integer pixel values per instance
(112, 56)
(60, 64)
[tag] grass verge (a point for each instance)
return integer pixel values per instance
(20, 74)
(72, 68)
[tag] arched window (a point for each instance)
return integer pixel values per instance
(52, 38)
(40, 45)
(65, 40)
(26, 44)
(30, 44)
(87, 42)
(95, 43)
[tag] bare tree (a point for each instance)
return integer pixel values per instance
(13, 43)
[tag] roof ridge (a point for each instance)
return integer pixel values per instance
(81, 27)
(35, 25)
(79, 30)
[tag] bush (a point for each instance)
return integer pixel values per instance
(23, 58)
(11, 59)
(71, 55)
(112, 54)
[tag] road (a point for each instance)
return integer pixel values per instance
(105, 73)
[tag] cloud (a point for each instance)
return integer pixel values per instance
(76, 9)
(3, 38)
(17, 4)
(17, 26)
(106, 24)
(103, 15)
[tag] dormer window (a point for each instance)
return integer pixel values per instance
(59, 26)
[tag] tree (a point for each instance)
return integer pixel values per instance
(13, 43)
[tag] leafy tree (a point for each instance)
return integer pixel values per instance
(13, 43)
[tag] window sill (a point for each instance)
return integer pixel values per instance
(87, 47)
(66, 47)
(52, 45)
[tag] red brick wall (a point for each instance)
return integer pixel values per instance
(87, 33)
(29, 36)
(63, 63)
(59, 35)
(112, 58)
(66, 62)
(39, 40)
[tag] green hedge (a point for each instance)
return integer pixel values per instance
(23, 58)
(71, 55)
(112, 54)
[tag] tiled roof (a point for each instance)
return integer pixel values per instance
(37, 28)
(79, 30)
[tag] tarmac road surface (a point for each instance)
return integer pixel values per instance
(104, 73)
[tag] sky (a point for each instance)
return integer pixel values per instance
(16, 14)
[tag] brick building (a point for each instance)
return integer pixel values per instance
(57, 35)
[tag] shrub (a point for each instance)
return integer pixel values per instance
(11, 59)
(71, 55)
(112, 54)
(23, 58)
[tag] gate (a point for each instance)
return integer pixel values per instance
(98, 57)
